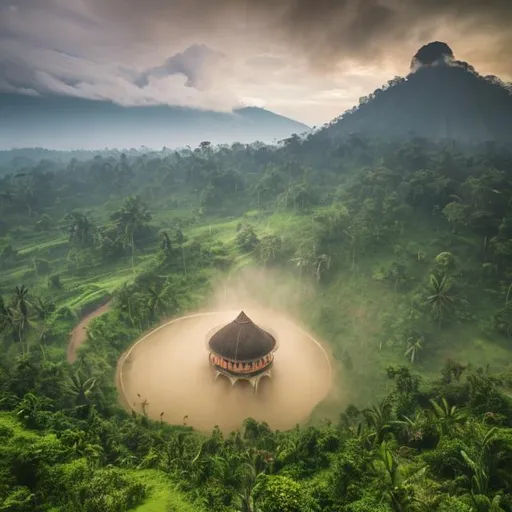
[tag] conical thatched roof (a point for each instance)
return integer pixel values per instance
(242, 340)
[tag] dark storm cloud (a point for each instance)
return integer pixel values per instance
(308, 59)
(331, 29)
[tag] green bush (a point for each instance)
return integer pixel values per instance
(282, 494)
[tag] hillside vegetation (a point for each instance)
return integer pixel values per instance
(397, 255)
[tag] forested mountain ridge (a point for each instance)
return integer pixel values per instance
(62, 122)
(441, 98)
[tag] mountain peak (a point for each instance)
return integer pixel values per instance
(442, 98)
(435, 52)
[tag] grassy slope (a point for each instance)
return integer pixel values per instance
(163, 496)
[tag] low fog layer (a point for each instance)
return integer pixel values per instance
(73, 123)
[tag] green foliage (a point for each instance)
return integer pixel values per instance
(456, 214)
(44, 223)
(453, 504)
(503, 320)
(282, 494)
(246, 238)
(440, 297)
(42, 267)
(54, 282)
(445, 263)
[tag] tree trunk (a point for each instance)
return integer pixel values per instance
(43, 331)
(133, 255)
(183, 257)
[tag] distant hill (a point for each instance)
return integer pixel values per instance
(441, 98)
(62, 122)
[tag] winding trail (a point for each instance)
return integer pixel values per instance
(79, 333)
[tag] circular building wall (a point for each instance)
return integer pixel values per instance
(169, 371)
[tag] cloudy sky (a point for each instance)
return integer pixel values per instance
(307, 59)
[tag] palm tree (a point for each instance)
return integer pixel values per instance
(268, 247)
(288, 449)
(30, 407)
(21, 304)
(399, 500)
(414, 345)
(180, 240)
(322, 263)
(412, 426)
(6, 316)
(80, 388)
(305, 256)
(124, 300)
(131, 219)
(379, 418)
(79, 228)
(439, 297)
(249, 481)
(159, 300)
(479, 464)
(26, 191)
(165, 246)
(43, 311)
(398, 273)
(446, 416)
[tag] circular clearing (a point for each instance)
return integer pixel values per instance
(167, 371)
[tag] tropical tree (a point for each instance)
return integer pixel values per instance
(502, 320)
(131, 220)
(268, 248)
(160, 299)
(414, 345)
(43, 310)
(180, 240)
(165, 246)
(480, 459)
(445, 261)
(440, 297)
(6, 316)
(250, 480)
(397, 273)
(305, 256)
(378, 417)
(30, 408)
(80, 229)
(399, 489)
(246, 238)
(278, 493)
(21, 304)
(80, 388)
(321, 264)
(445, 416)
(413, 426)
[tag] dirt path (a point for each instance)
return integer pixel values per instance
(79, 333)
